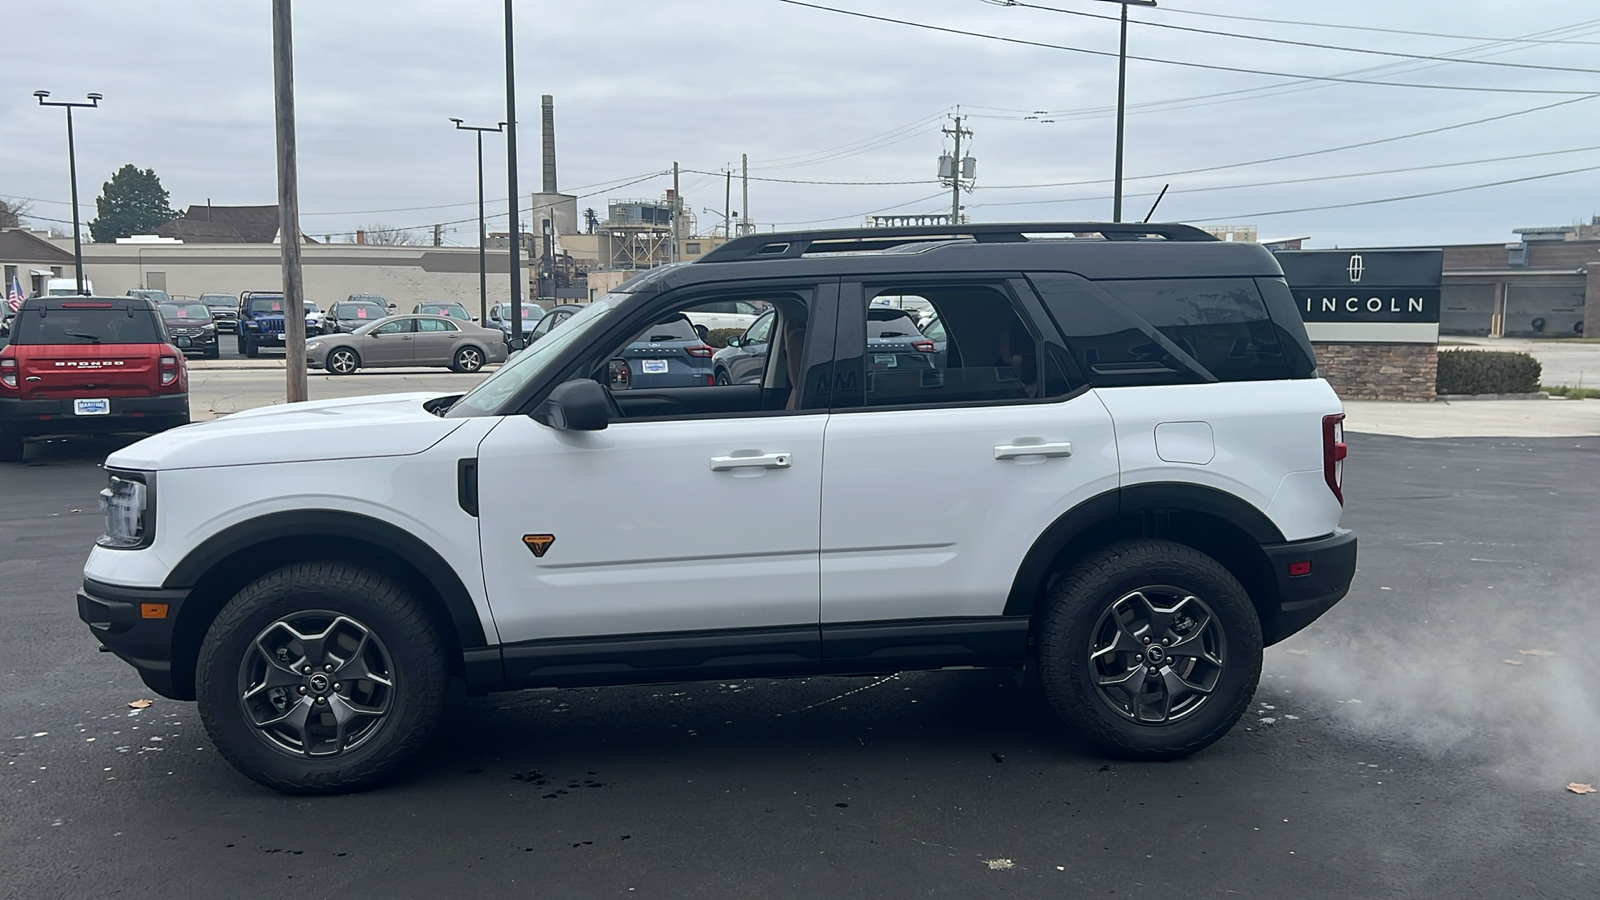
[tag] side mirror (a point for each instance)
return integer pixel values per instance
(735, 341)
(575, 406)
(391, 306)
(618, 375)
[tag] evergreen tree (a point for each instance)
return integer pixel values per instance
(132, 202)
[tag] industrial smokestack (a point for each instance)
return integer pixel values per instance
(547, 105)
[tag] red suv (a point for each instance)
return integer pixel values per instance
(88, 365)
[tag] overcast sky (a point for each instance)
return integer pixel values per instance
(816, 96)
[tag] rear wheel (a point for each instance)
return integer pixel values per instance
(250, 348)
(722, 376)
(342, 361)
(214, 351)
(10, 447)
(468, 359)
(701, 330)
(321, 678)
(1150, 649)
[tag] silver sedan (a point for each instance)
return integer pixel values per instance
(408, 341)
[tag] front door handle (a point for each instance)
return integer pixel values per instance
(1043, 448)
(764, 461)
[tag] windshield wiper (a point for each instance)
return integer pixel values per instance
(79, 334)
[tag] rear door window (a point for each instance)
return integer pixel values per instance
(92, 325)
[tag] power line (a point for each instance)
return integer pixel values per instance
(808, 181)
(864, 214)
(1273, 40)
(1176, 62)
(1372, 28)
(1304, 154)
(1470, 187)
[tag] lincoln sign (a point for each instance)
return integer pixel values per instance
(1366, 296)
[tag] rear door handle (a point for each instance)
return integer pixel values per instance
(1043, 448)
(764, 461)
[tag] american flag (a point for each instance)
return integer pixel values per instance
(14, 296)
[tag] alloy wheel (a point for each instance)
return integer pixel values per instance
(342, 362)
(316, 684)
(1157, 654)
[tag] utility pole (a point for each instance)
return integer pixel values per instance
(511, 179)
(677, 207)
(438, 235)
(744, 204)
(727, 205)
(294, 310)
(72, 171)
(957, 169)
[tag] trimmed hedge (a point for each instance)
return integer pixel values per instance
(1487, 372)
(718, 337)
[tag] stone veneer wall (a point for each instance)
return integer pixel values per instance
(1380, 371)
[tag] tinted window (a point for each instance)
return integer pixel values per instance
(676, 329)
(760, 330)
(987, 351)
(87, 326)
(1220, 322)
(399, 326)
(435, 325)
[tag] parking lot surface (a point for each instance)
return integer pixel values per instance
(1416, 742)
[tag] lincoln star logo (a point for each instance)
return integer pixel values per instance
(539, 543)
(1356, 267)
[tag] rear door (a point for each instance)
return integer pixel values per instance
(940, 478)
(435, 342)
(390, 344)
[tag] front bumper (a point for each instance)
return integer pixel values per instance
(55, 416)
(1328, 562)
(138, 625)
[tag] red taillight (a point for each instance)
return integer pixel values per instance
(169, 369)
(8, 371)
(922, 346)
(1334, 451)
(1297, 569)
(700, 350)
(711, 380)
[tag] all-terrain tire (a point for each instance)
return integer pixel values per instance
(11, 449)
(405, 634)
(1081, 615)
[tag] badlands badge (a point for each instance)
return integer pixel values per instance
(539, 543)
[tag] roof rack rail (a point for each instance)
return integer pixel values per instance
(794, 244)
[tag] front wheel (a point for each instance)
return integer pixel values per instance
(343, 361)
(11, 449)
(251, 349)
(468, 359)
(321, 678)
(722, 376)
(1150, 649)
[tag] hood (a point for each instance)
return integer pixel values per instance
(390, 425)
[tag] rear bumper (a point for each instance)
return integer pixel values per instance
(55, 416)
(1304, 598)
(137, 624)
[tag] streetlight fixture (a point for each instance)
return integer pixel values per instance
(1122, 93)
(483, 268)
(72, 169)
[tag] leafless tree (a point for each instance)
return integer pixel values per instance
(390, 236)
(12, 212)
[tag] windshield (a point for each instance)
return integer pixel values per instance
(185, 311)
(529, 313)
(453, 310)
(362, 311)
(310, 307)
(494, 391)
(220, 301)
(260, 305)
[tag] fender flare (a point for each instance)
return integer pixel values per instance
(313, 523)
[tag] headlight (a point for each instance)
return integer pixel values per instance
(250, 324)
(210, 327)
(126, 506)
(313, 345)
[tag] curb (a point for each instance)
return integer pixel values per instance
(1454, 398)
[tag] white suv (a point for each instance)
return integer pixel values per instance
(1115, 465)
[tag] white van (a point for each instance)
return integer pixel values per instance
(66, 287)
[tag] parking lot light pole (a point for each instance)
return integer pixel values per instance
(511, 180)
(483, 268)
(1122, 95)
(72, 170)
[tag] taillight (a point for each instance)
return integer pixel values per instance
(700, 350)
(8, 371)
(169, 369)
(1334, 451)
(922, 346)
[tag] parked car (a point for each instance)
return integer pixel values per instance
(1129, 481)
(744, 359)
(894, 341)
(316, 319)
(552, 319)
(66, 287)
(723, 314)
(191, 328)
(155, 295)
(408, 341)
(88, 365)
(224, 311)
(260, 322)
(668, 354)
(444, 308)
(500, 317)
(348, 315)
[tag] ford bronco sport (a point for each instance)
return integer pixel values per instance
(1137, 475)
(88, 365)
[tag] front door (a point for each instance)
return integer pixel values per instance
(390, 344)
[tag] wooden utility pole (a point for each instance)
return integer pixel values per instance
(677, 208)
(294, 313)
(744, 204)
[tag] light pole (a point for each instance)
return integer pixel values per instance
(483, 268)
(1122, 93)
(511, 179)
(72, 169)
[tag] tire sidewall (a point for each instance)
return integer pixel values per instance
(1083, 596)
(415, 654)
(353, 356)
(460, 366)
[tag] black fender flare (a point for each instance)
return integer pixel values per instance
(315, 523)
(1104, 508)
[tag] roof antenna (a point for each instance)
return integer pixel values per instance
(1155, 204)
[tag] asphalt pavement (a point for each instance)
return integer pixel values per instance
(1414, 743)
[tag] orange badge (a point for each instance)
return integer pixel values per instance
(539, 543)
